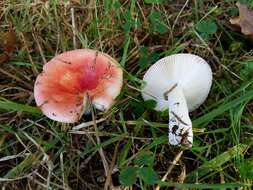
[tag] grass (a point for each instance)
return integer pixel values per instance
(129, 142)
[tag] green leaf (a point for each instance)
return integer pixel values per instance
(144, 57)
(128, 176)
(235, 46)
(205, 36)
(246, 169)
(247, 71)
(148, 175)
(150, 104)
(147, 58)
(153, 1)
(138, 108)
(207, 27)
(145, 159)
(157, 25)
(233, 12)
(130, 22)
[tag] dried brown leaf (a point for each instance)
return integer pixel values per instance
(7, 44)
(3, 58)
(245, 20)
(75, 2)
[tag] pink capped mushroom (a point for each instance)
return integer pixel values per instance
(68, 81)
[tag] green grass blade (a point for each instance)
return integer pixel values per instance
(216, 162)
(9, 105)
(221, 109)
(28, 162)
(101, 145)
(203, 185)
(124, 152)
(124, 56)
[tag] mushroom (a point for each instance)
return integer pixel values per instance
(180, 82)
(71, 79)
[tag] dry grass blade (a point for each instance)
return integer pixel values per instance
(73, 26)
(26, 84)
(39, 47)
(87, 124)
(10, 157)
(174, 162)
(45, 158)
(108, 181)
(15, 179)
(101, 152)
(34, 68)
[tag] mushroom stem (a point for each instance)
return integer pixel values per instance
(180, 125)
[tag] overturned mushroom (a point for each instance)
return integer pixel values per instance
(72, 78)
(180, 82)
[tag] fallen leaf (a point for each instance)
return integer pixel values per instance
(75, 2)
(3, 58)
(7, 44)
(244, 21)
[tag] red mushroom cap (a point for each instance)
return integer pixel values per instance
(68, 80)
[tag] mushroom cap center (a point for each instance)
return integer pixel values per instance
(89, 79)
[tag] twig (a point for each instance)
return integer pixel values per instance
(169, 91)
(176, 159)
(108, 181)
(18, 178)
(10, 157)
(88, 124)
(182, 176)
